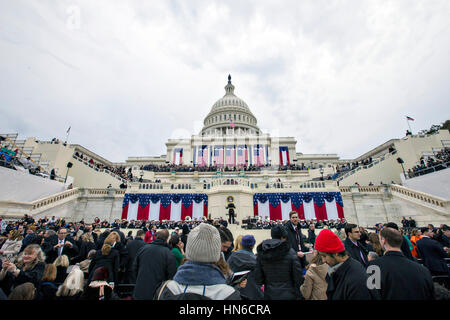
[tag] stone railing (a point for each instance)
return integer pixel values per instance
(112, 174)
(361, 189)
(65, 195)
(420, 196)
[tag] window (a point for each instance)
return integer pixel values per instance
(234, 117)
(239, 116)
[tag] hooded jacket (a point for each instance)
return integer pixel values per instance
(315, 285)
(11, 249)
(278, 268)
(244, 260)
(204, 279)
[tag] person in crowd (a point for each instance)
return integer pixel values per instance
(29, 237)
(47, 287)
(404, 246)
(406, 238)
(353, 246)
(401, 278)
(87, 244)
(237, 243)
(347, 278)
(84, 265)
(372, 255)
(133, 247)
(61, 263)
(177, 249)
(29, 267)
(226, 244)
(25, 291)
(184, 234)
(374, 244)
(72, 288)
(312, 234)
(199, 277)
(278, 267)
(432, 253)
(99, 288)
(245, 260)
(223, 227)
(416, 235)
(154, 264)
(117, 245)
(445, 239)
(150, 236)
(315, 285)
(106, 257)
(340, 233)
(63, 245)
(295, 238)
(11, 247)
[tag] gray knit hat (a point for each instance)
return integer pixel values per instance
(203, 244)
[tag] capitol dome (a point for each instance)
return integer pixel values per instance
(230, 115)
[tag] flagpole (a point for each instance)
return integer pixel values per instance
(407, 121)
(68, 132)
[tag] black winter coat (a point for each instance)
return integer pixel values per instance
(355, 251)
(433, 254)
(243, 261)
(33, 275)
(403, 279)
(349, 282)
(133, 247)
(110, 262)
(278, 268)
(292, 240)
(154, 264)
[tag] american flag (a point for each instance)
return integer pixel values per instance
(242, 155)
(232, 123)
(218, 155)
(202, 156)
(259, 155)
(230, 155)
(409, 118)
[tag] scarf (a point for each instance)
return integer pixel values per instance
(196, 273)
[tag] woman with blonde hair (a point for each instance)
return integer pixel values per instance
(237, 243)
(61, 263)
(315, 286)
(47, 287)
(87, 244)
(11, 247)
(107, 257)
(72, 288)
(29, 267)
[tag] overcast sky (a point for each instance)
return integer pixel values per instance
(339, 76)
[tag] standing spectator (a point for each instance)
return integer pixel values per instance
(133, 247)
(245, 260)
(226, 244)
(445, 239)
(312, 234)
(47, 288)
(374, 242)
(404, 246)
(107, 257)
(432, 253)
(295, 238)
(184, 235)
(347, 278)
(177, 249)
(87, 244)
(62, 264)
(401, 278)
(150, 236)
(278, 268)
(11, 247)
(237, 243)
(315, 285)
(353, 246)
(199, 277)
(416, 235)
(339, 233)
(154, 264)
(29, 268)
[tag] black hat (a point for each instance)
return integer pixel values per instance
(278, 232)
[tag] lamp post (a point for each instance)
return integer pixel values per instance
(321, 172)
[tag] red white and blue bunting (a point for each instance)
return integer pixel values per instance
(309, 205)
(158, 207)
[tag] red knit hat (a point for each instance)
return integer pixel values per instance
(328, 242)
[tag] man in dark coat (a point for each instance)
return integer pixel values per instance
(401, 279)
(295, 238)
(405, 247)
(312, 234)
(278, 268)
(133, 247)
(432, 253)
(346, 278)
(154, 264)
(353, 246)
(245, 260)
(61, 245)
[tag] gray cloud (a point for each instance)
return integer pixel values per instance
(339, 76)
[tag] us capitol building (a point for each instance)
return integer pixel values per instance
(229, 161)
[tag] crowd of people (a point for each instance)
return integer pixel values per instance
(440, 161)
(211, 168)
(52, 259)
(120, 171)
